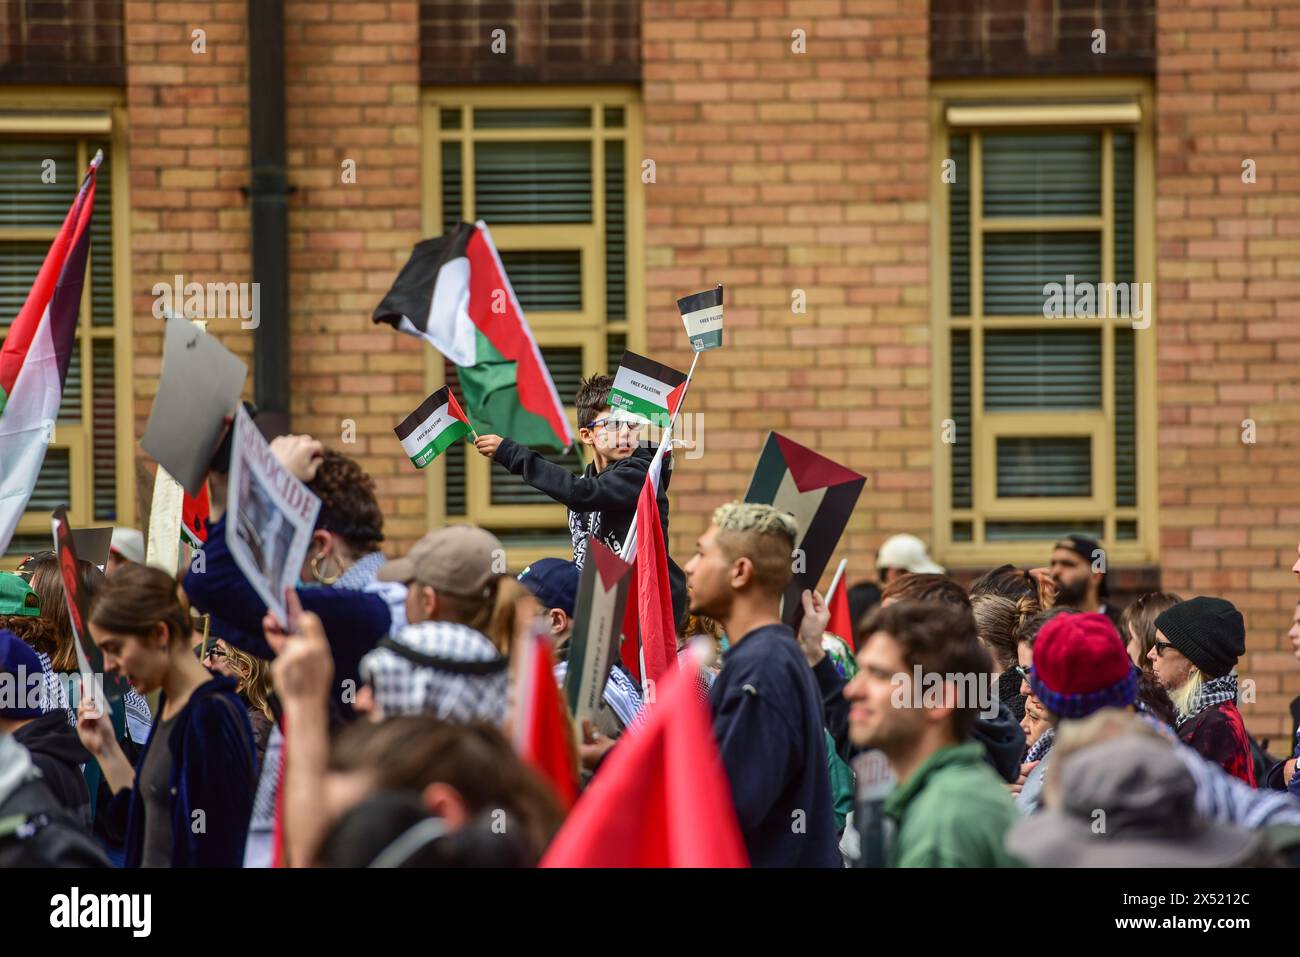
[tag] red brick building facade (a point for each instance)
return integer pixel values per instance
(798, 152)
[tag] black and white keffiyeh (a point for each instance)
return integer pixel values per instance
(1040, 747)
(441, 668)
(1214, 692)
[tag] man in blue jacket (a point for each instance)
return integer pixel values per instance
(767, 714)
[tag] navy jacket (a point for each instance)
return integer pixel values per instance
(213, 770)
(354, 621)
(767, 718)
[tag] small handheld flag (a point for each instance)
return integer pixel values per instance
(702, 315)
(432, 428)
(646, 390)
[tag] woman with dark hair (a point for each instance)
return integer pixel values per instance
(1009, 582)
(998, 619)
(199, 762)
(338, 573)
(1137, 624)
(337, 583)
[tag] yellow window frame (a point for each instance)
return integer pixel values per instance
(1106, 105)
(45, 113)
(586, 329)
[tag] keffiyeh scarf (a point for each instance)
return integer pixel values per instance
(1214, 692)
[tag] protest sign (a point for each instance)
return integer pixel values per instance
(702, 316)
(92, 544)
(90, 661)
(200, 385)
(597, 618)
(431, 429)
(270, 516)
(819, 493)
(164, 547)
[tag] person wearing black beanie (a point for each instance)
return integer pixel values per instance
(1197, 646)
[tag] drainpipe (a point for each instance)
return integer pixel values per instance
(268, 196)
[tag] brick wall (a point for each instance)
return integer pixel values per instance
(1229, 278)
(352, 88)
(546, 41)
(971, 38)
(61, 42)
(187, 129)
(779, 171)
(353, 93)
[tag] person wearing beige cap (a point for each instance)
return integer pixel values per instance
(449, 575)
(901, 554)
(443, 663)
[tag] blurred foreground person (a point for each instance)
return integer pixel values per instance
(948, 807)
(1120, 796)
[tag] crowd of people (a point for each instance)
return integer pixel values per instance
(1022, 720)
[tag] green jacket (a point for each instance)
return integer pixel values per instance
(952, 812)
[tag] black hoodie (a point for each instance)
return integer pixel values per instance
(58, 753)
(600, 503)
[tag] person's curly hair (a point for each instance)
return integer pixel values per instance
(347, 503)
(37, 633)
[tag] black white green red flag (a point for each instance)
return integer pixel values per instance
(454, 293)
(431, 429)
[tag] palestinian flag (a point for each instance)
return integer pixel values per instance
(702, 314)
(454, 293)
(431, 429)
(818, 492)
(195, 515)
(35, 356)
(597, 621)
(646, 390)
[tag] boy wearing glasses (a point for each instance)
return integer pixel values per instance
(602, 500)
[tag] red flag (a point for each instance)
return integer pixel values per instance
(195, 513)
(649, 599)
(661, 799)
(841, 623)
(543, 736)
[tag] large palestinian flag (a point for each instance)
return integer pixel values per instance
(35, 356)
(454, 293)
(819, 493)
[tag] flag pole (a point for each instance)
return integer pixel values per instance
(839, 573)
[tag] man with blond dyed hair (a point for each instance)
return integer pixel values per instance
(767, 715)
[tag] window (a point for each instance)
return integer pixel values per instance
(556, 176)
(1051, 414)
(87, 466)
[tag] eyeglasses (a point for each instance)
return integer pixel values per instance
(1022, 671)
(616, 424)
(1160, 647)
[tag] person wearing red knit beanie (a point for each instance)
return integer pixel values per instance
(1080, 666)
